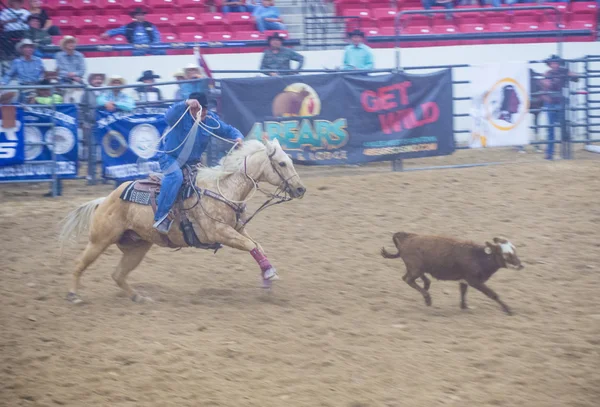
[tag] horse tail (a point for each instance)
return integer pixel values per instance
(78, 221)
(398, 238)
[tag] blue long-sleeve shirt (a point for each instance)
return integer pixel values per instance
(27, 72)
(122, 101)
(173, 143)
(358, 57)
(140, 36)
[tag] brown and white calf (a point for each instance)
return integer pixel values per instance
(451, 259)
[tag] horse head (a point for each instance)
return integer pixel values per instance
(281, 172)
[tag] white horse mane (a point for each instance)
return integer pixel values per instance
(230, 163)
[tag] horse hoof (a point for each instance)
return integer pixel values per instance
(74, 299)
(140, 299)
(270, 275)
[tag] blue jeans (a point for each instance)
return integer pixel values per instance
(427, 4)
(554, 119)
(234, 9)
(171, 183)
(263, 25)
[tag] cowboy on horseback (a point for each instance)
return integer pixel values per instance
(181, 146)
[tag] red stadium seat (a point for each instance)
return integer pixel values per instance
(342, 5)
(219, 36)
(443, 26)
(371, 32)
(187, 22)
(472, 29)
(191, 6)
(169, 37)
(129, 5)
(85, 7)
(250, 36)
(526, 27)
(384, 16)
(192, 37)
(584, 12)
(416, 19)
(163, 6)
(362, 13)
(162, 21)
(64, 5)
(89, 40)
(496, 17)
(375, 4)
(110, 22)
(88, 25)
(499, 28)
(112, 7)
(213, 22)
(241, 22)
(66, 25)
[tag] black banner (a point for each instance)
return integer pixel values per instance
(344, 119)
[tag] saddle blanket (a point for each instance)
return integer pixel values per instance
(142, 195)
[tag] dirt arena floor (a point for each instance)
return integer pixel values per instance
(341, 328)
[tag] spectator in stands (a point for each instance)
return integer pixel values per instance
(148, 93)
(38, 36)
(277, 58)
(193, 71)
(357, 55)
(555, 81)
(447, 4)
(267, 17)
(116, 99)
(95, 80)
(139, 32)
(28, 69)
(179, 76)
(46, 96)
(70, 63)
(14, 22)
(35, 8)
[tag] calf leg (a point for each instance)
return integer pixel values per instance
(410, 280)
(491, 294)
(463, 295)
(426, 282)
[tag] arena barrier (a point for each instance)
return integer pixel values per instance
(102, 142)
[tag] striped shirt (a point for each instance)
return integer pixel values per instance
(66, 63)
(11, 14)
(26, 72)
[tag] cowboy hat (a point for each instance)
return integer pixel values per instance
(554, 58)
(93, 75)
(23, 43)
(275, 36)
(191, 66)
(119, 78)
(148, 75)
(179, 74)
(67, 38)
(356, 32)
(136, 11)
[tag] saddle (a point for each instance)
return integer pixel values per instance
(146, 191)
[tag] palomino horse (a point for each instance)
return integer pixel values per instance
(112, 220)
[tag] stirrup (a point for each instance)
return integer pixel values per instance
(163, 225)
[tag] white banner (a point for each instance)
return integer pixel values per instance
(500, 105)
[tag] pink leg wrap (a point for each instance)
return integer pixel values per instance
(261, 259)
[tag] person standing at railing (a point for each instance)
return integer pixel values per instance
(277, 58)
(193, 71)
(139, 32)
(148, 93)
(358, 55)
(267, 17)
(556, 80)
(115, 99)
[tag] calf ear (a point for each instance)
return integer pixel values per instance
(489, 248)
